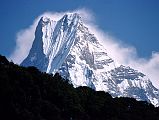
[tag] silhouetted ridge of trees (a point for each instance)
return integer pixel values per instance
(28, 94)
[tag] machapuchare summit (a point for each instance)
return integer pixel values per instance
(68, 47)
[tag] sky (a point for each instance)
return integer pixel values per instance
(129, 28)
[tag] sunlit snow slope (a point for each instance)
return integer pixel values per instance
(66, 46)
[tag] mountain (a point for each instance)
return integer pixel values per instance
(68, 47)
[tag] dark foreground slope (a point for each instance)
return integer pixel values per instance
(28, 94)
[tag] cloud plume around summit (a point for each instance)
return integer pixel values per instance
(116, 49)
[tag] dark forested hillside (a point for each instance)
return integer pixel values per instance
(28, 94)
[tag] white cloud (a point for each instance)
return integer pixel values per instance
(24, 39)
(120, 52)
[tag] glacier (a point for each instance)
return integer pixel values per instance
(68, 47)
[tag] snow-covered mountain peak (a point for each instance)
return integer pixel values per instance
(68, 47)
(67, 19)
(45, 19)
(71, 16)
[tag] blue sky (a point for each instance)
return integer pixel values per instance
(135, 22)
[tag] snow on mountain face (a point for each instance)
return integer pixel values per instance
(66, 46)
